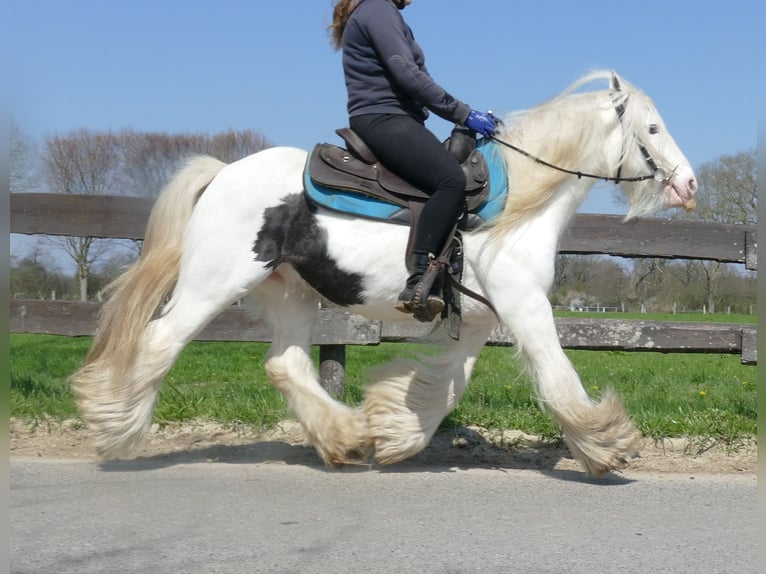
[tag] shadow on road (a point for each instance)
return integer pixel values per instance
(449, 451)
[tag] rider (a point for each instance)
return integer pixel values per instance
(389, 94)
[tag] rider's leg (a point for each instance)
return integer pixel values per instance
(410, 150)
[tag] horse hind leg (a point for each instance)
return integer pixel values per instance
(117, 400)
(337, 431)
(118, 385)
(409, 399)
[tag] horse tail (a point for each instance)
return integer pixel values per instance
(117, 384)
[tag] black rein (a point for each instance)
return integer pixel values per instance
(658, 174)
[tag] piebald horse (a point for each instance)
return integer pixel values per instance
(219, 233)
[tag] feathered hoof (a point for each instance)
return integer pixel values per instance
(389, 451)
(604, 439)
(354, 455)
(344, 443)
(607, 462)
(110, 447)
(117, 428)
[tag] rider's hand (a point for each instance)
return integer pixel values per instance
(482, 122)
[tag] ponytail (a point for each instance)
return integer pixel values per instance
(340, 15)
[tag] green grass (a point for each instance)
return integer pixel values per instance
(668, 395)
(684, 317)
(39, 366)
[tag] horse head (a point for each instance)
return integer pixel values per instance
(668, 181)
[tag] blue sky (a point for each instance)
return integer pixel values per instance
(190, 66)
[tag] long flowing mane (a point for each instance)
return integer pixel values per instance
(565, 131)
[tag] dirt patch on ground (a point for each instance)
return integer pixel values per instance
(462, 447)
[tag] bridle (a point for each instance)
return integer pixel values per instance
(659, 174)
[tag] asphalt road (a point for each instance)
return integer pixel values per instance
(155, 517)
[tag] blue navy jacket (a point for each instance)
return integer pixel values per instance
(385, 68)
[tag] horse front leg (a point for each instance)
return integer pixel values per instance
(409, 398)
(599, 434)
(337, 431)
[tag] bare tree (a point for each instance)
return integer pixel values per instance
(37, 276)
(232, 145)
(82, 162)
(151, 159)
(22, 162)
(593, 279)
(609, 282)
(728, 190)
(727, 194)
(648, 280)
(574, 271)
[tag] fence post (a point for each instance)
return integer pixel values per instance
(332, 369)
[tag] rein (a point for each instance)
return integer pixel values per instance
(658, 174)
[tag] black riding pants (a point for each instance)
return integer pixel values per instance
(406, 147)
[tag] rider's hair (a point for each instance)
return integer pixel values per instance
(340, 15)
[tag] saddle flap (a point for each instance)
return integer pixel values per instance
(334, 167)
(389, 181)
(340, 160)
(476, 178)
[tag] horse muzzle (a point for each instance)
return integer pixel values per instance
(680, 189)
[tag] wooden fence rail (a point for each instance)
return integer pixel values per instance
(125, 218)
(339, 327)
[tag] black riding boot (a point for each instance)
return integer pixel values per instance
(418, 296)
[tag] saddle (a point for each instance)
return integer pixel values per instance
(356, 169)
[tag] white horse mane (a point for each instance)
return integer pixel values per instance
(568, 131)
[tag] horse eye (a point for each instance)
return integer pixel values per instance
(654, 129)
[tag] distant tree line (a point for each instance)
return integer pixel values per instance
(140, 164)
(103, 163)
(662, 285)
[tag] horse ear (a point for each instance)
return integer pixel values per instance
(615, 83)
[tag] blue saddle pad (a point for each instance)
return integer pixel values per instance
(373, 208)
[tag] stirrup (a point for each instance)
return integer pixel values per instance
(426, 313)
(424, 305)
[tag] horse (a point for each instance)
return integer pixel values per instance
(219, 233)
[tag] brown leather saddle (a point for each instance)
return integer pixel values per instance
(356, 169)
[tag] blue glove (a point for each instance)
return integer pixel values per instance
(484, 123)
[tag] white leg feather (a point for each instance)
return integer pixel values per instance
(599, 434)
(409, 398)
(337, 431)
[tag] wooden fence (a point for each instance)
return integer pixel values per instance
(125, 218)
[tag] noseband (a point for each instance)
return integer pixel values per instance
(659, 174)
